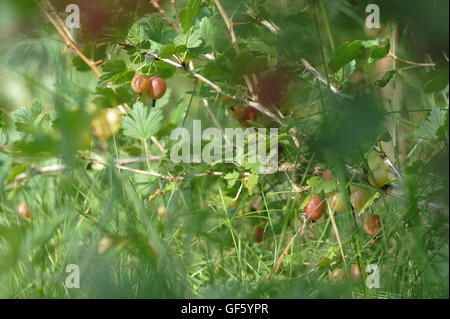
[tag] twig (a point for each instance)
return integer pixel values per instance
(163, 13)
(60, 167)
(125, 168)
(217, 88)
(69, 42)
(283, 255)
(321, 78)
(234, 43)
(336, 232)
(269, 25)
(392, 55)
(175, 10)
(228, 24)
(157, 143)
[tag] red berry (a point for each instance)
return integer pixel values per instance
(372, 224)
(259, 234)
(338, 276)
(327, 175)
(237, 111)
(23, 210)
(157, 88)
(250, 113)
(314, 209)
(355, 272)
(140, 83)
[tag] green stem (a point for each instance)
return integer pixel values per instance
(327, 25)
(147, 154)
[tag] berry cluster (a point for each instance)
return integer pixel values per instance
(155, 87)
(358, 199)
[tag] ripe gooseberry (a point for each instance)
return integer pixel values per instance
(314, 209)
(359, 198)
(157, 88)
(259, 234)
(338, 276)
(23, 210)
(355, 272)
(372, 224)
(327, 175)
(140, 83)
(380, 177)
(250, 115)
(337, 202)
(237, 111)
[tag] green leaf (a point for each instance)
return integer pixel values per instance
(318, 185)
(190, 40)
(137, 34)
(381, 83)
(252, 180)
(430, 127)
(188, 14)
(170, 50)
(436, 80)
(143, 122)
(24, 119)
(16, 170)
(380, 52)
(113, 71)
(345, 54)
(346, 71)
(209, 30)
(163, 69)
(231, 178)
(156, 29)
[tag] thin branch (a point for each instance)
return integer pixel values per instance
(217, 88)
(175, 10)
(228, 23)
(392, 55)
(283, 255)
(68, 40)
(269, 25)
(321, 78)
(61, 22)
(336, 232)
(164, 14)
(157, 143)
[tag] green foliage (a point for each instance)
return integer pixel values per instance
(435, 122)
(381, 83)
(436, 80)
(142, 122)
(346, 52)
(188, 14)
